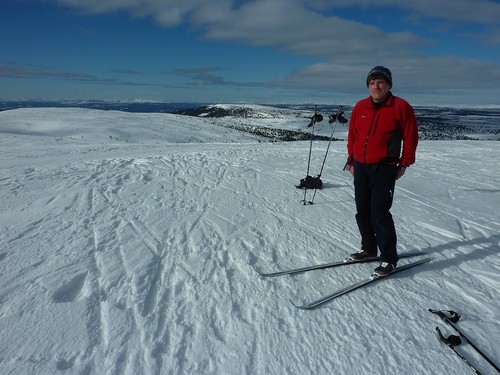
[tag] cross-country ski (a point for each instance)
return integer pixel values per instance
(357, 285)
(346, 261)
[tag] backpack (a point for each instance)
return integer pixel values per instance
(310, 183)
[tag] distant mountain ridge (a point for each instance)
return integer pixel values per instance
(125, 106)
(435, 123)
(239, 110)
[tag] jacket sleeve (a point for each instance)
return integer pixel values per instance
(410, 137)
(351, 137)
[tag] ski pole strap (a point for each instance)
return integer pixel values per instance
(447, 315)
(452, 340)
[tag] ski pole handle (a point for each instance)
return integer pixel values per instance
(453, 318)
(446, 341)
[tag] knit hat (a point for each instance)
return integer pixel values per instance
(380, 71)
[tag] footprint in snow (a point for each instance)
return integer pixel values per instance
(73, 290)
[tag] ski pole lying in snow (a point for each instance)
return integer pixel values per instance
(453, 341)
(450, 317)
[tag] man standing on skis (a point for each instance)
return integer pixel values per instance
(382, 142)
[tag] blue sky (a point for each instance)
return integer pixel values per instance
(263, 51)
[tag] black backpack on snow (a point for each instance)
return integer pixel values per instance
(310, 183)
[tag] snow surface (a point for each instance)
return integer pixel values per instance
(128, 243)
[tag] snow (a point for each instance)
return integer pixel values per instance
(128, 243)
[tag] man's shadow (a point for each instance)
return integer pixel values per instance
(492, 248)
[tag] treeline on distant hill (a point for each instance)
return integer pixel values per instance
(433, 123)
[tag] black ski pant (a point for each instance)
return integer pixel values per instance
(374, 188)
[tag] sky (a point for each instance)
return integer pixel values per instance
(440, 52)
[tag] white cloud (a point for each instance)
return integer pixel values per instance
(418, 74)
(345, 49)
(478, 11)
(165, 12)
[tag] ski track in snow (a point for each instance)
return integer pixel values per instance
(137, 259)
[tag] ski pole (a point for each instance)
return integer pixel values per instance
(314, 119)
(327, 149)
(453, 318)
(312, 123)
(451, 342)
(331, 138)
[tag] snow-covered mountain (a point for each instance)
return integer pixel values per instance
(288, 121)
(128, 246)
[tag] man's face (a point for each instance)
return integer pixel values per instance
(379, 89)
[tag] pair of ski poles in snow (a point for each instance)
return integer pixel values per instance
(338, 117)
(451, 317)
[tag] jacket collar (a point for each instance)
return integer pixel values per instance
(388, 101)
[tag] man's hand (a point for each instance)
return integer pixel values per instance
(401, 172)
(351, 169)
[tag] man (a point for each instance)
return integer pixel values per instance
(381, 144)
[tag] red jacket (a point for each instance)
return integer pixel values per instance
(377, 134)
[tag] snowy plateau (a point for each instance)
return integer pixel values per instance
(129, 241)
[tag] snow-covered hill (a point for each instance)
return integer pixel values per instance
(128, 243)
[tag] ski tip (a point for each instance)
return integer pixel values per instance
(300, 307)
(258, 270)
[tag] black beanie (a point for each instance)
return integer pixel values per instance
(380, 71)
